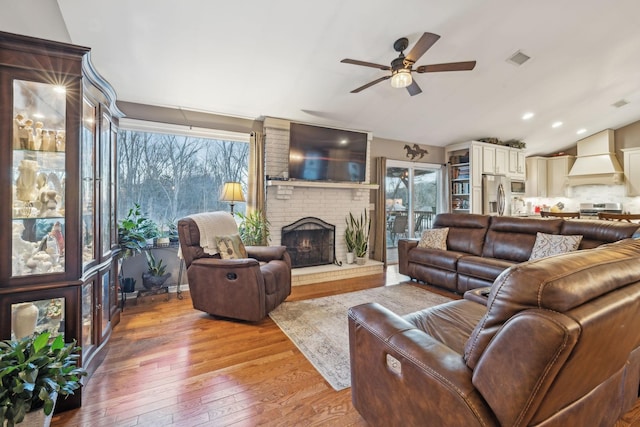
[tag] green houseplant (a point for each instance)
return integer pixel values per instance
(132, 231)
(361, 226)
(156, 274)
(254, 228)
(350, 239)
(34, 371)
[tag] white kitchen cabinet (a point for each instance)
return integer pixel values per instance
(631, 157)
(516, 164)
(557, 170)
(536, 183)
(476, 196)
(495, 159)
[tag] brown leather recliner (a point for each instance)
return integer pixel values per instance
(246, 288)
(556, 345)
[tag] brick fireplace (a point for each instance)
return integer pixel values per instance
(289, 201)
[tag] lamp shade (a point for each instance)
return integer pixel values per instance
(232, 192)
(401, 78)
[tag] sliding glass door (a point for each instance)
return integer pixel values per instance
(412, 199)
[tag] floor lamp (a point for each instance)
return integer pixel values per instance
(232, 193)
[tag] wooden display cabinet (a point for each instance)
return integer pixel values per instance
(58, 124)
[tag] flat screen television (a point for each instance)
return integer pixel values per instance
(324, 154)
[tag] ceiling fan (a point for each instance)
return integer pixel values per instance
(402, 67)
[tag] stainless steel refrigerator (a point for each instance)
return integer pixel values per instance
(496, 195)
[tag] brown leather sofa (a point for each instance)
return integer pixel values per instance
(480, 247)
(556, 345)
(245, 289)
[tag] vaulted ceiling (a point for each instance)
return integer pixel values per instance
(281, 58)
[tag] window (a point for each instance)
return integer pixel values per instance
(174, 171)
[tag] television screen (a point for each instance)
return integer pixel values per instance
(324, 154)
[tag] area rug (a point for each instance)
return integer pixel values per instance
(319, 327)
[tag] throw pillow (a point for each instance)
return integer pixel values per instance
(435, 238)
(230, 247)
(553, 244)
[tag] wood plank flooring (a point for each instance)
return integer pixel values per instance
(170, 365)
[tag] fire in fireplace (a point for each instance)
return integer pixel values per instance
(310, 241)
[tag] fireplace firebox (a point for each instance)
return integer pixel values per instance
(309, 241)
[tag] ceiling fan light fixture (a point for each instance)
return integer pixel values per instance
(401, 78)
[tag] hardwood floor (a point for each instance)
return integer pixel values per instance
(170, 365)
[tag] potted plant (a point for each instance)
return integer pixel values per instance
(350, 239)
(131, 240)
(34, 371)
(361, 227)
(254, 228)
(156, 274)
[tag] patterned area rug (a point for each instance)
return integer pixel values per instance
(319, 327)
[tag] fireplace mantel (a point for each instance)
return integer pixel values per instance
(284, 188)
(321, 184)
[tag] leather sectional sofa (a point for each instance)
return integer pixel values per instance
(557, 344)
(480, 247)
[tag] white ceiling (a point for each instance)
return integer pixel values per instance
(281, 58)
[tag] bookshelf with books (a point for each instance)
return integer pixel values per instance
(465, 177)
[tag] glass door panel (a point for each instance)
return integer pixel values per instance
(412, 193)
(425, 197)
(105, 185)
(87, 318)
(104, 304)
(38, 175)
(397, 204)
(87, 159)
(38, 316)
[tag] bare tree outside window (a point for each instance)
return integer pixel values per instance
(171, 176)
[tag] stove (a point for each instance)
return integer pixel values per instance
(591, 210)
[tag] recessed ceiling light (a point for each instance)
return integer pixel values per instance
(581, 131)
(527, 116)
(556, 125)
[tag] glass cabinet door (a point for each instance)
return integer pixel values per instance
(105, 185)
(30, 317)
(87, 317)
(105, 302)
(38, 177)
(87, 150)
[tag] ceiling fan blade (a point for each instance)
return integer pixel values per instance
(449, 66)
(422, 45)
(361, 88)
(365, 64)
(413, 88)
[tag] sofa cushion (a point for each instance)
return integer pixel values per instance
(558, 283)
(597, 232)
(466, 232)
(450, 323)
(434, 238)
(446, 260)
(554, 244)
(483, 268)
(512, 238)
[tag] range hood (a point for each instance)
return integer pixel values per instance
(596, 162)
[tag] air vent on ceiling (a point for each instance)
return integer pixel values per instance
(620, 103)
(518, 58)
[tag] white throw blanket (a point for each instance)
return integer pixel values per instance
(211, 225)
